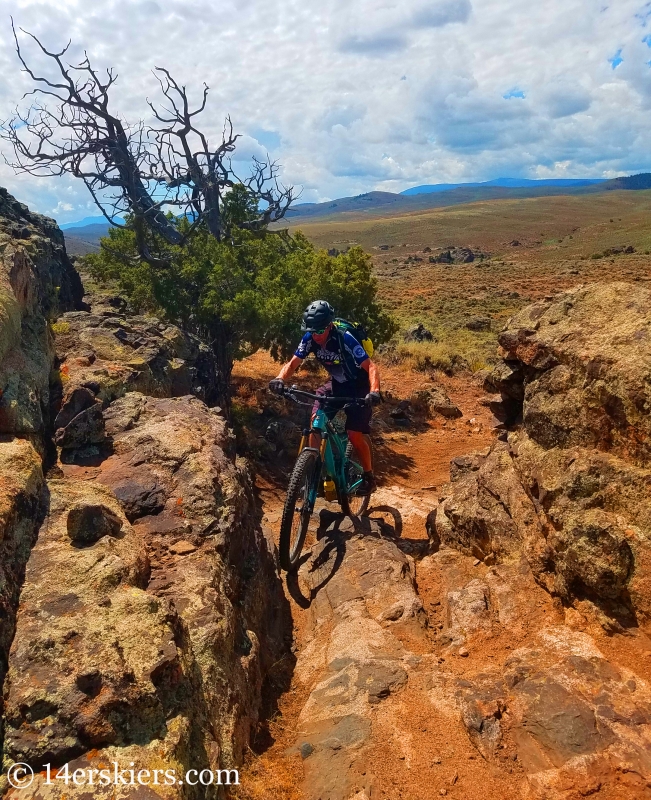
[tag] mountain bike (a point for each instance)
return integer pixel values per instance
(333, 465)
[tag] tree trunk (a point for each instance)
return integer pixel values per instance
(222, 349)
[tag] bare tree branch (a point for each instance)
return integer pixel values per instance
(144, 170)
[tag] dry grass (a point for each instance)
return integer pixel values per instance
(266, 777)
(493, 223)
(458, 350)
(557, 239)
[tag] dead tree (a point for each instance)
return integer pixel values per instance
(145, 170)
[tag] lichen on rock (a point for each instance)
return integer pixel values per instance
(150, 607)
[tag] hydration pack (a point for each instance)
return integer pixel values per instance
(360, 333)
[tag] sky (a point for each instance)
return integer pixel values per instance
(355, 95)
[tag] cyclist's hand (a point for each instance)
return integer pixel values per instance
(373, 398)
(277, 385)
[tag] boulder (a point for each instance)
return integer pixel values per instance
(88, 636)
(582, 519)
(585, 361)
(86, 428)
(571, 489)
(487, 510)
(418, 333)
(465, 255)
(434, 400)
(87, 524)
(479, 324)
(110, 354)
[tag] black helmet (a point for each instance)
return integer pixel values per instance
(317, 316)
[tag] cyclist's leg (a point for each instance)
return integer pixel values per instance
(358, 420)
(358, 434)
(358, 427)
(360, 443)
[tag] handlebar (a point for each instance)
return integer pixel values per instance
(292, 393)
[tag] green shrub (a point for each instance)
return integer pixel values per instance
(243, 294)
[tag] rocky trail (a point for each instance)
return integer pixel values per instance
(482, 633)
(439, 652)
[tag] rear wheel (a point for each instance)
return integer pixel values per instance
(351, 504)
(298, 507)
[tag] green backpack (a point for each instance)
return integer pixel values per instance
(360, 333)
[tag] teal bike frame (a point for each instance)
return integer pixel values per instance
(332, 450)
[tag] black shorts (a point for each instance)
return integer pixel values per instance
(358, 418)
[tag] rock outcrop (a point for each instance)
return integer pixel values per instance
(355, 659)
(141, 607)
(582, 365)
(104, 354)
(37, 283)
(556, 519)
(22, 504)
(571, 487)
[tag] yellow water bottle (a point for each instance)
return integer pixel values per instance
(329, 490)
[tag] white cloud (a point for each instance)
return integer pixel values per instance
(566, 100)
(319, 83)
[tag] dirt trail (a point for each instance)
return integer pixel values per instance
(412, 465)
(399, 650)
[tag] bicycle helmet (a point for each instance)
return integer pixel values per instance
(317, 316)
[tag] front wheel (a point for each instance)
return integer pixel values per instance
(301, 494)
(353, 505)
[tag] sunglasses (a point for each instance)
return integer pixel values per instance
(319, 332)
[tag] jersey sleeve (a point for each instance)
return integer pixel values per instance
(305, 347)
(355, 349)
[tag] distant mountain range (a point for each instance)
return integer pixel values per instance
(83, 223)
(421, 198)
(83, 236)
(509, 183)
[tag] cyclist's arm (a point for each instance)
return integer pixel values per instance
(289, 369)
(373, 374)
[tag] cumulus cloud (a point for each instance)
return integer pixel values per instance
(565, 101)
(378, 28)
(353, 95)
(438, 14)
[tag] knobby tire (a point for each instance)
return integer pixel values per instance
(306, 470)
(353, 505)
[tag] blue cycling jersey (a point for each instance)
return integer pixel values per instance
(330, 356)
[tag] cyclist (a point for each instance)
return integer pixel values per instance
(363, 380)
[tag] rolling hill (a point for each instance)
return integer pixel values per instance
(83, 239)
(512, 183)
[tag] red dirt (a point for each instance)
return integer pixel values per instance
(418, 461)
(427, 757)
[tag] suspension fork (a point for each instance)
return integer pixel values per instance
(305, 437)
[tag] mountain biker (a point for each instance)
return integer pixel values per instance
(322, 339)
